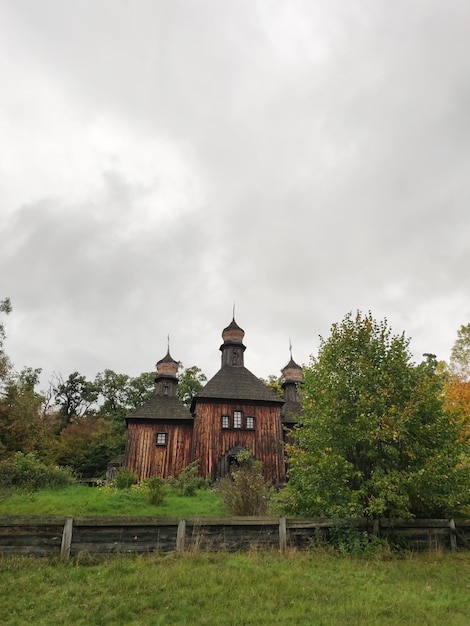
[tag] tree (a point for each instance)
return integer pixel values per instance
(5, 307)
(119, 394)
(23, 426)
(457, 379)
(140, 389)
(275, 383)
(75, 396)
(457, 400)
(375, 439)
(88, 444)
(460, 354)
(190, 382)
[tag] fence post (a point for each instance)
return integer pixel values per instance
(282, 534)
(66, 538)
(180, 534)
(453, 535)
(376, 527)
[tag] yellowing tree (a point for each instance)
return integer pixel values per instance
(457, 385)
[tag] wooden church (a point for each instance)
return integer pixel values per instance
(235, 410)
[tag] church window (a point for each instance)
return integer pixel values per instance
(250, 422)
(237, 419)
(161, 439)
(225, 421)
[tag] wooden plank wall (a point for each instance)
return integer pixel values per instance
(58, 535)
(146, 459)
(212, 442)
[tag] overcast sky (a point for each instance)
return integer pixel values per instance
(161, 160)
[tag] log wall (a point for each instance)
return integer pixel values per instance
(146, 458)
(212, 443)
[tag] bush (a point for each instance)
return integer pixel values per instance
(246, 492)
(346, 538)
(157, 490)
(188, 482)
(27, 472)
(125, 478)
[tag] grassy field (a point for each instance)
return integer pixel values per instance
(80, 500)
(257, 588)
(317, 588)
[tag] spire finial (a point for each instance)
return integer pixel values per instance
(168, 342)
(290, 348)
(233, 311)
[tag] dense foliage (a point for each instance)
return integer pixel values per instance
(375, 439)
(245, 491)
(25, 471)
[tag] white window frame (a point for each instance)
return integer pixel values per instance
(162, 439)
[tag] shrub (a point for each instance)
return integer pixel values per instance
(124, 478)
(157, 490)
(246, 492)
(346, 538)
(188, 482)
(27, 472)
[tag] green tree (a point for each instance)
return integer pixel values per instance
(190, 382)
(23, 425)
(375, 439)
(140, 389)
(76, 396)
(275, 383)
(5, 365)
(93, 417)
(460, 354)
(88, 444)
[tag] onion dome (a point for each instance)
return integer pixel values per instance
(232, 349)
(233, 333)
(167, 366)
(292, 372)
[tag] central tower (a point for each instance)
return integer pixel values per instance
(235, 410)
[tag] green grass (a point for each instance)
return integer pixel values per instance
(79, 500)
(257, 588)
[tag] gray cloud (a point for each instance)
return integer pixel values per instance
(162, 160)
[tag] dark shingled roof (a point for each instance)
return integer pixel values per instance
(237, 383)
(291, 365)
(161, 408)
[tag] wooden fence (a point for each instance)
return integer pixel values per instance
(66, 536)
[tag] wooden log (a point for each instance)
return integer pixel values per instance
(32, 520)
(124, 520)
(232, 521)
(121, 548)
(321, 522)
(415, 523)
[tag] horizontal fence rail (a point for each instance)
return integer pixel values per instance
(67, 537)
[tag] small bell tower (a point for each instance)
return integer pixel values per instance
(232, 349)
(166, 379)
(292, 379)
